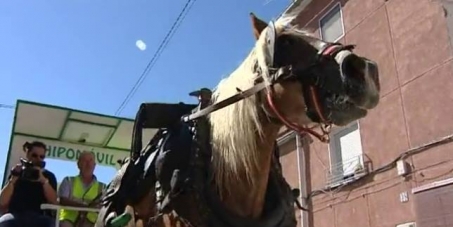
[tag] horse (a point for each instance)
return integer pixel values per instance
(218, 166)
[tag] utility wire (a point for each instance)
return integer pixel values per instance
(392, 164)
(157, 54)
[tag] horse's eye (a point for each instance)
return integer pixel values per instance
(288, 42)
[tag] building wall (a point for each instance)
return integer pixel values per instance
(410, 41)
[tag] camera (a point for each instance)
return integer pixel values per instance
(28, 172)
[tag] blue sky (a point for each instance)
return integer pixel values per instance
(81, 54)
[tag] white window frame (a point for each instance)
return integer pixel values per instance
(338, 176)
(338, 4)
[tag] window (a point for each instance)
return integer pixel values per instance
(331, 25)
(346, 159)
(287, 143)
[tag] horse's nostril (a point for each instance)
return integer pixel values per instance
(373, 71)
(353, 66)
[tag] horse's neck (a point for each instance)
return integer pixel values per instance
(249, 201)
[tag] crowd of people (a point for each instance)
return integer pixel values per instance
(30, 185)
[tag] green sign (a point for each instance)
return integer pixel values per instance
(73, 154)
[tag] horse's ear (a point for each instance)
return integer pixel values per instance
(258, 25)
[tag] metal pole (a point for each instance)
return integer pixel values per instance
(302, 181)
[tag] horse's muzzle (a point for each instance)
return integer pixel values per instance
(360, 79)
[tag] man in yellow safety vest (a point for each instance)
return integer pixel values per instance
(82, 190)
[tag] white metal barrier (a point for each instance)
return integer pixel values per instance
(57, 208)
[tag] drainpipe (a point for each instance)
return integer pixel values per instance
(302, 181)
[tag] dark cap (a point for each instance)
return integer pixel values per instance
(197, 93)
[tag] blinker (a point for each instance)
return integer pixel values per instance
(271, 36)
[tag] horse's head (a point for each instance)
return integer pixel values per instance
(313, 80)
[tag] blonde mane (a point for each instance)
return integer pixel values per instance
(236, 129)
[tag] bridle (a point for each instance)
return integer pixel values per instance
(311, 85)
(305, 76)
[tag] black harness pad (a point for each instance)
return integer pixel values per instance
(174, 154)
(167, 151)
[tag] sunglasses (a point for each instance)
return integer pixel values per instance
(34, 155)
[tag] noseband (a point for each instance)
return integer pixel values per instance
(305, 76)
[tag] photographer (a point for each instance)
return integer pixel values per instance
(29, 186)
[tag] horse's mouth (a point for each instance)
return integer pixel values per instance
(360, 94)
(345, 113)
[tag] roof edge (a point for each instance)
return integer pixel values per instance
(297, 5)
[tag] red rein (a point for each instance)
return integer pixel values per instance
(324, 137)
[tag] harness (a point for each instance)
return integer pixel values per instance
(177, 160)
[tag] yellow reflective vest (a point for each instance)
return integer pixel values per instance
(79, 193)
